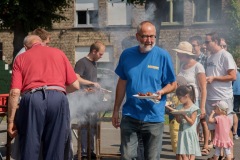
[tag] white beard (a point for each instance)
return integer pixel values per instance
(145, 49)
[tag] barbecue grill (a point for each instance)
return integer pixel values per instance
(89, 126)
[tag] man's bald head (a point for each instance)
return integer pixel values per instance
(30, 40)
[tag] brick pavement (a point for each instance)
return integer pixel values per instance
(110, 141)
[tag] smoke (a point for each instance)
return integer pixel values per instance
(150, 12)
(83, 104)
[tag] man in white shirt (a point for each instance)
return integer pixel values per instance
(220, 72)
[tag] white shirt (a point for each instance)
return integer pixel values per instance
(190, 75)
(218, 64)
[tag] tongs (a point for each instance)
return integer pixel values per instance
(105, 90)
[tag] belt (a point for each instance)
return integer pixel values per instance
(43, 88)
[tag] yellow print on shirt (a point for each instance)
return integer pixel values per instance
(153, 67)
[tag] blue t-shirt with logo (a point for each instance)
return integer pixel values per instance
(145, 72)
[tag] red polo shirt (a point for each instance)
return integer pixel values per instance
(40, 66)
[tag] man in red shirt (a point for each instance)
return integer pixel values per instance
(42, 75)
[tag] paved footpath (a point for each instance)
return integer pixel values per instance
(110, 140)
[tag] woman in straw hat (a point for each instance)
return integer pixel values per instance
(194, 74)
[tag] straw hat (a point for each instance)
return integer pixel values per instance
(184, 47)
(222, 105)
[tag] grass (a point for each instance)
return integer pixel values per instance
(166, 119)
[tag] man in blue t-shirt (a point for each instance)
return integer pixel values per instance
(144, 68)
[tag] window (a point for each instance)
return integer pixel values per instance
(86, 13)
(1, 51)
(207, 10)
(118, 12)
(173, 12)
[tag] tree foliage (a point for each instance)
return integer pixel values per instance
(141, 2)
(31, 13)
(233, 12)
(22, 16)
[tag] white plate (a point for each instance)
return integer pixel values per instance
(179, 112)
(145, 97)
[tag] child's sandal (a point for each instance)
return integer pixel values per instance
(212, 158)
(221, 158)
(205, 151)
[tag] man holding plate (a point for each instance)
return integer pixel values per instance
(141, 69)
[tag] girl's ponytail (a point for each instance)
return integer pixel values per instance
(186, 89)
(192, 93)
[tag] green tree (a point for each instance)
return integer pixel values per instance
(233, 12)
(22, 16)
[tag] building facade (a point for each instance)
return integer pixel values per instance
(114, 23)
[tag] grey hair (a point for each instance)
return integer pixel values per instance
(139, 27)
(30, 40)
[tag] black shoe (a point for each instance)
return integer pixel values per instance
(93, 155)
(75, 157)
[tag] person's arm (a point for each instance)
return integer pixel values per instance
(12, 107)
(170, 108)
(201, 77)
(178, 118)
(87, 82)
(231, 76)
(73, 87)
(190, 119)
(167, 89)
(120, 93)
(211, 119)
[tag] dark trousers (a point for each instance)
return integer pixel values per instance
(236, 103)
(43, 116)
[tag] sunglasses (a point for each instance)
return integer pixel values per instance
(195, 45)
(223, 46)
(207, 42)
(148, 36)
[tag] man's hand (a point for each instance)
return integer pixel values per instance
(115, 119)
(210, 79)
(12, 131)
(159, 93)
(97, 85)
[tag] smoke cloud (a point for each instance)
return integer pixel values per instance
(150, 12)
(83, 104)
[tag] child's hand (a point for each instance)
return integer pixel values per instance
(213, 112)
(184, 115)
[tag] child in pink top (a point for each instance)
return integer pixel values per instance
(221, 139)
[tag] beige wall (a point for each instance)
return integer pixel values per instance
(170, 36)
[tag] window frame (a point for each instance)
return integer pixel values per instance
(128, 10)
(171, 11)
(209, 21)
(1, 51)
(93, 6)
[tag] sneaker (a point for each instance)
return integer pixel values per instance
(235, 136)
